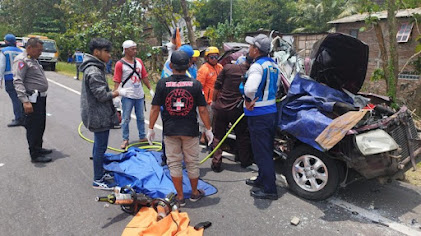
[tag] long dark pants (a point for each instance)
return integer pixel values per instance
(17, 105)
(77, 70)
(221, 120)
(262, 133)
(35, 126)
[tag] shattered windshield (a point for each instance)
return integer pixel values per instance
(49, 46)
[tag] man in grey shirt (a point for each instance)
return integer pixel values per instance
(31, 86)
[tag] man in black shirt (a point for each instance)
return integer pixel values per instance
(180, 95)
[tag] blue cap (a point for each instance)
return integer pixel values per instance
(10, 38)
(187, 49)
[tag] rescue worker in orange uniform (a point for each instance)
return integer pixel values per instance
(207, 75)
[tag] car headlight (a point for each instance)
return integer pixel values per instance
(374, 142)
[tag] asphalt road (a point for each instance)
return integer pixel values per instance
(57, 198)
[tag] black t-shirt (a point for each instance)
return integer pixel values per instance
(179, 95)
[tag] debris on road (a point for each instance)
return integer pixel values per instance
(295, 221)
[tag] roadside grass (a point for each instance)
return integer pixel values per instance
(66, 68)
(414, 177)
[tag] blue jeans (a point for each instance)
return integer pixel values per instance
(127, 107)
(100, 146)
(262, 133)
(17, 105)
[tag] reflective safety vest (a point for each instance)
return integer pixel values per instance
(78, 57)
(10, 53)
(268, 87)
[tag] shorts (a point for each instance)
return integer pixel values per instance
(178, 148)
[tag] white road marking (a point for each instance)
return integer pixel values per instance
(78, 93)
(63, 86)
(374, 217)
(1, 164)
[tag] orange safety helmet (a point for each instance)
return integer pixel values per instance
(211, 50)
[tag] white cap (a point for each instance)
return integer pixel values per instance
(128, 44)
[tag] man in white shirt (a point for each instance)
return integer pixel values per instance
(129, 73)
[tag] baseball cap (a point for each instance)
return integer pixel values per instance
(10, 38)
(261, 41)
(128, 44)
(187, 49)
(180, 60)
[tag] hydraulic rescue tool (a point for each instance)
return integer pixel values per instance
(131, 202)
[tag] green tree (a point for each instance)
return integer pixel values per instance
(24, 16)
(313, 15)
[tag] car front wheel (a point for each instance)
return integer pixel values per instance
(311, 174)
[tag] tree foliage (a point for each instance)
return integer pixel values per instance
(313, 15)
(74, 22)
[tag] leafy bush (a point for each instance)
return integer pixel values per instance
(378, 74)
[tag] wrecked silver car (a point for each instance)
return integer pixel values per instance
(330, 134)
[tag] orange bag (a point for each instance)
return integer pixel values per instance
(177, 38)
(144, 224)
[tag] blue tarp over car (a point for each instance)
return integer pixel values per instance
(304, 111)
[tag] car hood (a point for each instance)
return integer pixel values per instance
(340, 61)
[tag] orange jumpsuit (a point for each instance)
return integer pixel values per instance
(207, 75)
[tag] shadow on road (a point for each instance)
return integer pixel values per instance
(122, 216)
(58, 155)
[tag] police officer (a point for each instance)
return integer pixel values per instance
(31, 86)
(78, 61)
(7, 56)
(263, 80)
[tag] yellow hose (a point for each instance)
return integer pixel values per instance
(156, 147)
(222, 140)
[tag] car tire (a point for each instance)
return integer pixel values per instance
(311, 174)
(53, 66)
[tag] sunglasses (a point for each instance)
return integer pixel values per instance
(213, 57)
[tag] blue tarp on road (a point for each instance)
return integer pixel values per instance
(141, 170)
(303, 112)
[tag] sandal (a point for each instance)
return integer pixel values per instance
(124, 144)
(195, 198)
(143, 140)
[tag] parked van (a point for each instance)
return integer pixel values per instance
(49, 55)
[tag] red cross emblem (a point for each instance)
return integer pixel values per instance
(178, 104)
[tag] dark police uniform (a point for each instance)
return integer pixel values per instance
(30, 78)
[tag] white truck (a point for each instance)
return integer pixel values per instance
(49, 56)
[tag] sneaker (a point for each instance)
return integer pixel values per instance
(103, 185)
(181, 202)
(195, 198)
(108, 176)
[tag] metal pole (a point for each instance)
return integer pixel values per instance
(231, 12)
